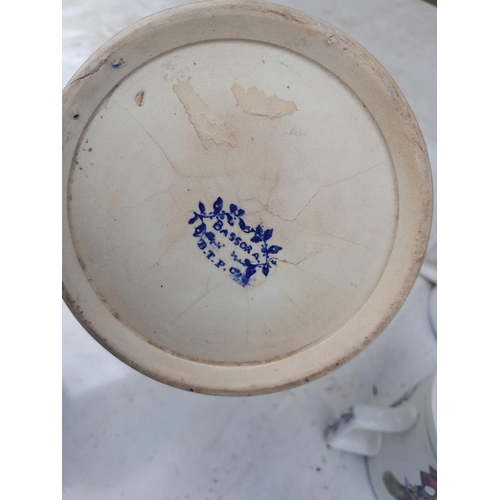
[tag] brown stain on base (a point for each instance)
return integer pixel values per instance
(210, 128)
(255, 102)
(139, 98)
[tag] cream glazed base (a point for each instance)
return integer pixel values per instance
(247, 197)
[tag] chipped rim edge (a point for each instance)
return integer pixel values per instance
(420, 162)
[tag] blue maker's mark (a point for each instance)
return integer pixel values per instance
(242, 267)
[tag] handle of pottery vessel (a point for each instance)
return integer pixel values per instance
(359, 430)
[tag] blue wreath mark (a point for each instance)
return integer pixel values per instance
(262, 258)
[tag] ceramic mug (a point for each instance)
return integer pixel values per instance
(400, 443)
(247, 197)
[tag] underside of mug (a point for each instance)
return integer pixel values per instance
(247, 197)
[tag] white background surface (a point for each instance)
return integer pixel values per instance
(128, 437)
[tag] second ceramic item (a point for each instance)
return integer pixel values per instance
(400, 442)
